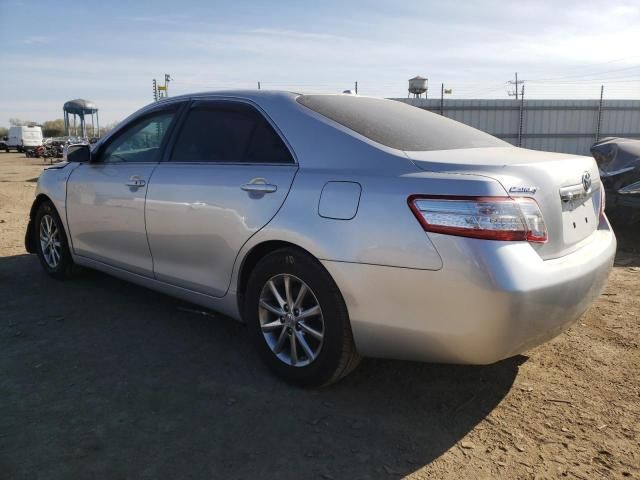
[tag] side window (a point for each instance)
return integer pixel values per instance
(139, 142)
(226, 132)
(266, 146)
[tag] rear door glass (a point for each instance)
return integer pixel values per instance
(228, 132)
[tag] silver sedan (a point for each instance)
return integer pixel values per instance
(335, 226)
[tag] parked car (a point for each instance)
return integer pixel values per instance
(23, 138)
(335, 226)
(619, 163)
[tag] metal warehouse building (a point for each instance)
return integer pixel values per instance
(569, 126)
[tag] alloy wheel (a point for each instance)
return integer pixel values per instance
(291, 320)
(50, 241)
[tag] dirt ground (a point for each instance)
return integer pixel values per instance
(102, 379)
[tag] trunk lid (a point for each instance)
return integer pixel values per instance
(556, 181)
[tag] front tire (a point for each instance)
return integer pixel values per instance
(51, 243)
(298, 319)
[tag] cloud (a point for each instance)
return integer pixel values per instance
(474, 47)
(36, 40)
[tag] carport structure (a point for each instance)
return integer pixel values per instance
(78, 108)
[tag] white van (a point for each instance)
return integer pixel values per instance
(23, 138)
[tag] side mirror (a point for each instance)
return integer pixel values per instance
(77, 153)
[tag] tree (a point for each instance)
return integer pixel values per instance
(17, 122)
(53, 128)
(109, 126)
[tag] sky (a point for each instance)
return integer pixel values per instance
(109, 52)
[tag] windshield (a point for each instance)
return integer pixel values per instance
(398, 125)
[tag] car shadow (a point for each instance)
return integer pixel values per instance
(628, 236)
(104, 379)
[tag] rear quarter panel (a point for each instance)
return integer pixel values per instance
(383, 231)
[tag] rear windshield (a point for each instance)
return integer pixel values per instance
(398, 125)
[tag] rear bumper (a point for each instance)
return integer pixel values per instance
(491, 300)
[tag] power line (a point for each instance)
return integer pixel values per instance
(589, 65)
(585, 87)
(589, 80)
(587, 74)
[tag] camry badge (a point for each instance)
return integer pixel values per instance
(529, 189)
(586, 181)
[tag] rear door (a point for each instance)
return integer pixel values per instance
(105, 198)
(228, 173)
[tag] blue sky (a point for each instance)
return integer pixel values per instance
(109, 51)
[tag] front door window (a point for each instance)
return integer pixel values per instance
(141, 142)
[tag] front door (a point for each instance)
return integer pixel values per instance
(105, 198)
(228, 174)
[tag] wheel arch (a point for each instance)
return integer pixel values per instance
(29, 239)
(252, 258)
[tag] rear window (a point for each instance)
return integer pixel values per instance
(398, 125)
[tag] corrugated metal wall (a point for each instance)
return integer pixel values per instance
(567, 126)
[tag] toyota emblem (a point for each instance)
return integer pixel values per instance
(586, 181)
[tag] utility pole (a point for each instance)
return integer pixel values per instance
(258, 85)
(515, 83)
(521, 117)
(600, 113)
(443, 92)
(167, 79)
(356, 87)
(155, 90)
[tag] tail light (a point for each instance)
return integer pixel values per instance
(491, 218)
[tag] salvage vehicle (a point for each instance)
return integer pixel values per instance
(619, 162)
(36, 152)
(335, 226)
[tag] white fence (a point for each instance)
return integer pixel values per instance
(569, 126)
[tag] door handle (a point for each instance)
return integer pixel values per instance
(259, 185)
(135, 181)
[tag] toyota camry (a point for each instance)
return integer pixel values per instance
(335, 226)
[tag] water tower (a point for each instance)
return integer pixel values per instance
(78, 108)
(417, 86)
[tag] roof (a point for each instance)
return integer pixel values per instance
(247, 93)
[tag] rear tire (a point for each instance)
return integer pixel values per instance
(317, 323)
(51, 243)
